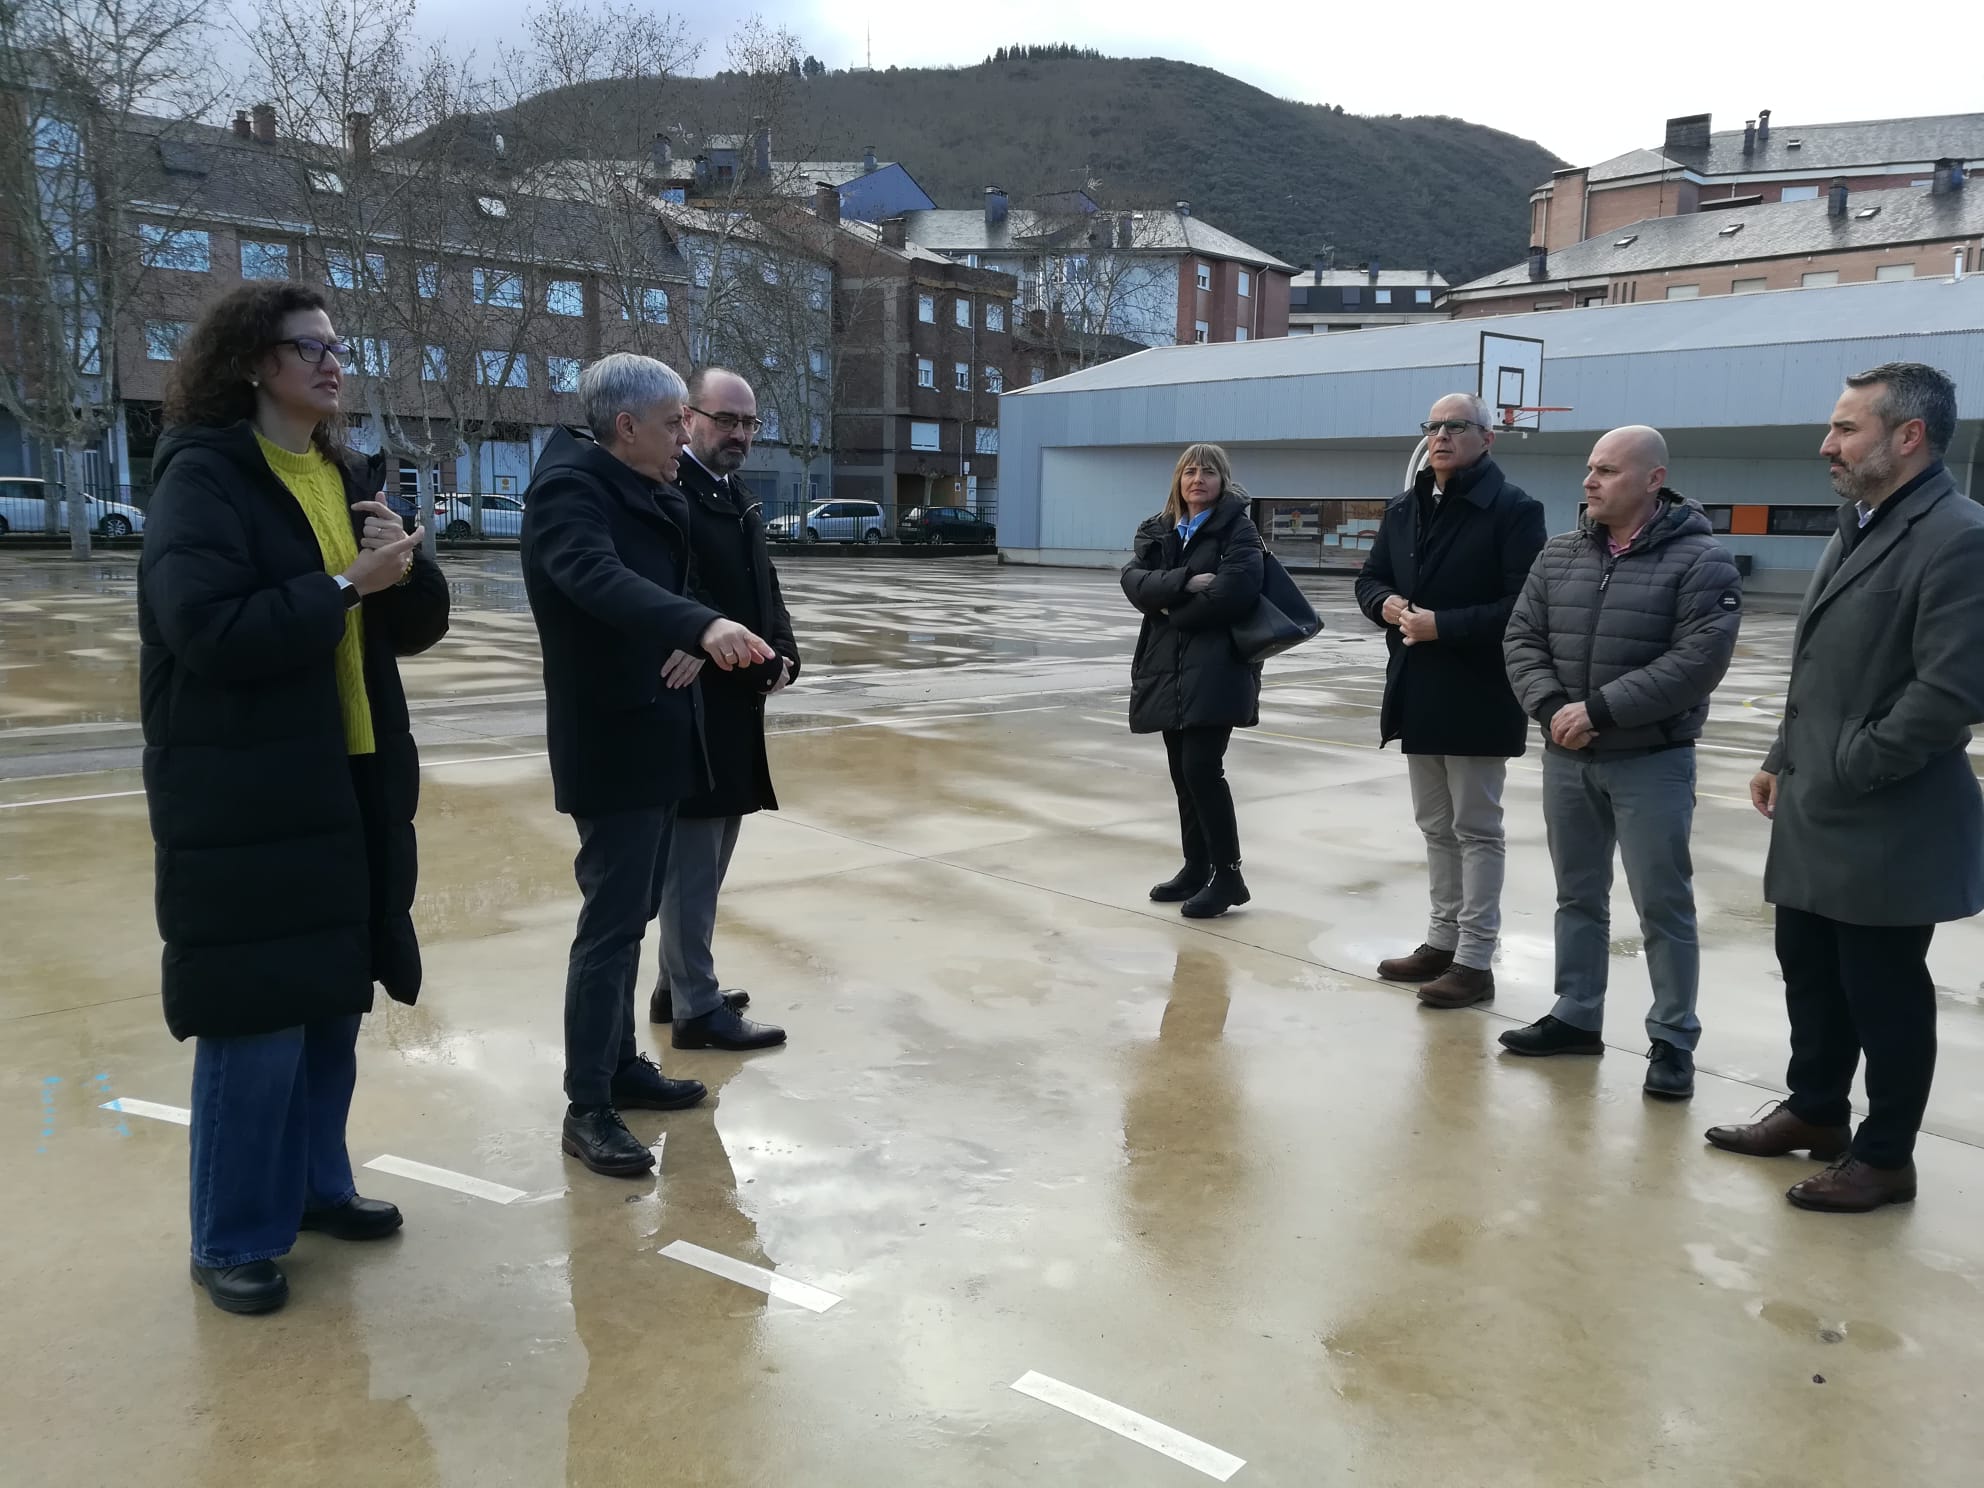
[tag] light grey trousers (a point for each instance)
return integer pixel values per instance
(1646, 805)
(1458, 801)
(698, 858)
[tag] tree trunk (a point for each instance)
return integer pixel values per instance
(475, 488)
(78, 499)
(423, 502)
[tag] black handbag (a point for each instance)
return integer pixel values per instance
(1283, 618)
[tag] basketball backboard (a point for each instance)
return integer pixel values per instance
(1512, 379)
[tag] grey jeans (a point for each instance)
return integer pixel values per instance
(1457, 799)
(1646, 806)
(698, 859)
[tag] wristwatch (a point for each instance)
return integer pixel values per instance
(352, 598)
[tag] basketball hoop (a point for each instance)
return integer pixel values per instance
(1510, 411)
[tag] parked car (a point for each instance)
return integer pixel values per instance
(944, 524)
(23, 510)
(833, 521)
(502, 516)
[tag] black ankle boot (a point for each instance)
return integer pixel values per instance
(1227, 889)
(1188, 881)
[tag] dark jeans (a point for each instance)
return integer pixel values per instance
(622, 863)
(268, 1137)
(1855, 987)
(1206, 823)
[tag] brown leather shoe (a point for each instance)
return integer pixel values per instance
(1781, 1133)
(1851, 1186)
(1461, 986)
(1421, 966)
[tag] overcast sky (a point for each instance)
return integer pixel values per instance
(1585, 81)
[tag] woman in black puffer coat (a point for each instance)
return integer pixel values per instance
(1196, 573)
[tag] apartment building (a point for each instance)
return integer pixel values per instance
(1331, 299)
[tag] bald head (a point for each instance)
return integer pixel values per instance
(1623, 479)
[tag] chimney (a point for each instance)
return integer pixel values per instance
(1763, 126)
(1689, 132)
(761, 149)
(895, 233)
(358, 137)
(1749, 136)
(1836, 198)
(1316, 268)
(1184, 209)
(1948, 177)
(868, 162)
(1372, 269)
(242, 128)
(1126, 231)
(826, 201)
(995, 205)
(265, 123)
(1539, 262)
(661, 156)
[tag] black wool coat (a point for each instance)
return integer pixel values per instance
(1467, 565)
(606, 569)
(285, 867)
(1185, 673)
(733, 575)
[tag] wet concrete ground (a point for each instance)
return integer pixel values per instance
(1027, 1122)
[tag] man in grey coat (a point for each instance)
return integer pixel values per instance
(1877, 826)
(1623, 629)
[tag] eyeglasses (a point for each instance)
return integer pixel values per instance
(1450, 426)
(311, 350)
(750, 423)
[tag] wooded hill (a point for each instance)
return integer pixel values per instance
(1287, 177)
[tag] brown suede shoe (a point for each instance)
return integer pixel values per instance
(1421, 966)
(1461, 986)
(1781, 1133)
(1851, 1186)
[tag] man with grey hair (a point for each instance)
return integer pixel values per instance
(1623, 629)
(606, 566)
(1450, 556)
(1877, 827)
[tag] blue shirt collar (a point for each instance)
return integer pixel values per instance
(1191, 525)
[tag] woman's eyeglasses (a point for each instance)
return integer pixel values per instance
(312, 350)
(750, 423)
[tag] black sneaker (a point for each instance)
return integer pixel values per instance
(1226, 890)
(597, 1137)
(641, 1086)
(1549, 1035)
(1183, 884)
(1670, 1072)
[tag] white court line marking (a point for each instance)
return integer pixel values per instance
(420, 1172)
(68, 800)
(177, 1115)
(439, 764)
(812, 1298)
(1141, 1429)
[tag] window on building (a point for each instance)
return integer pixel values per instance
(986, 439)
(326, 183)
(1382, 296)
(1422, 297)
(768, 271)
(565, 297)
(427, 279)
(816, 429)
(175, 248)
(1205, 277)
(1799, 193)
(771, 360)
(1747, 286)
(823, 283)
(1720, 518)
(343, 271)
(962, 375)
(1684, 291)
(562, 373)
(264, 260)
(650, 304)
(1895, 271)
(995, 380)
(926, 372)
(371, 357)
(500, 288)
(773, 431)
(1803, 521)
(816, 361)
(926, 309)
(1240, 333)
(162, 338)
(995, 317)
(964, 312)
(923, 436)
(1352, 297)
(434, 364)
(501, 369)
(492, 206)
(1201, 332)
(1035, 376)
(1817, 278)
(1246, 284)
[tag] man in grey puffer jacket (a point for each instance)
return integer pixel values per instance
(1623, 629)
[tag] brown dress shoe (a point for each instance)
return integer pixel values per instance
(1781, 1133)
(1461, 986)
(1851, 1186)
(1421, 966)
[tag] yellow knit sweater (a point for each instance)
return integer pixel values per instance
(318, 488)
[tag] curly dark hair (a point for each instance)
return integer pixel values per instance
(209, 381)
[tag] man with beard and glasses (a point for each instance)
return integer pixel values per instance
(733, 575)
(1877, 826)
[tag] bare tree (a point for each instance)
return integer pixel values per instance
(88, 89)
(1103, 278)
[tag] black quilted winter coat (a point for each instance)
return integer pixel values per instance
(1185, 673)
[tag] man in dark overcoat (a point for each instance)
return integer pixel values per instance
(1877, 826)
(733, 575)
(1450, 558)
